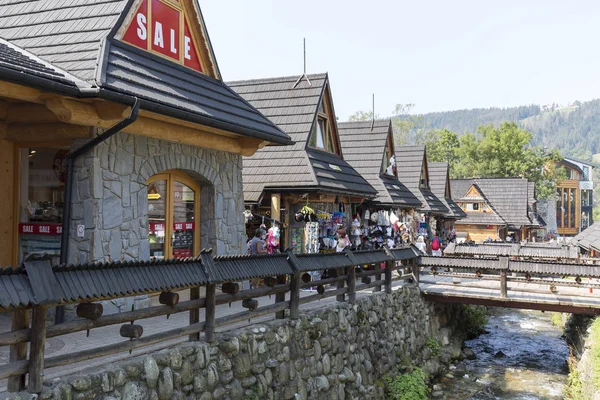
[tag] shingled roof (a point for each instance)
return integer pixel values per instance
(411, 162)
(589, 239)
(363, 145)
(508, 198)
(439, 181)
(78, 37)
(299, 166)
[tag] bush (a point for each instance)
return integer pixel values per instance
(434, 345)
(557, 320)
(474, 319)
(412, 386)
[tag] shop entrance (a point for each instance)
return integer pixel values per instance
(173, 215)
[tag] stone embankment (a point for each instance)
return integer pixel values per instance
(339, 352)
(583, 336)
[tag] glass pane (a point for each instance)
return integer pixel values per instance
(157, 222)
(42, 184)
(572, 207)
(184, 220)
(320, 138)
(559, 208)
(565, 208)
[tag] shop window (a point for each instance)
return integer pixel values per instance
(173, 216)
(41, 194)
(587, 198)
(572, 207)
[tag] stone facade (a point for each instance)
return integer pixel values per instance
(110, 197)
(339, 352)
(547, 210)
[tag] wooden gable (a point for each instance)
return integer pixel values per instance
(170, 29)
(330, 139)
(473, 192)
(424, 178)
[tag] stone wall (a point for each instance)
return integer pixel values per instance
(110, 197)
(339, 352)
(547, 210)
(583, 335)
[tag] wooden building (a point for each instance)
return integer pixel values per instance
(123, 103)
(281, 181)
(413, 171)
(439, 175)
(496, 208)
(368, 146)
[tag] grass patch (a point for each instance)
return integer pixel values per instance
(434, 346)
(557, 320)
(575, 388)
(410, 386)
(474, 319)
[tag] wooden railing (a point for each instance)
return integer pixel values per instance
(284, 276)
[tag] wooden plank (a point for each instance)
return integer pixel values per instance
(211, 305)
(503, 286)
(295, 284)
(329, 293)
(7, 202)
(194, 313)
(38, 343)
(389, 266)
(247, 315)
(280, 297)
(18, 352)
(351, 285)
(340, 284)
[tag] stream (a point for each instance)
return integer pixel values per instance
(522, 357)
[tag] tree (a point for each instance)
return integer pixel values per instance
(363, 116)
(443, 145)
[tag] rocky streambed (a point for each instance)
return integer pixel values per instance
(523, 356)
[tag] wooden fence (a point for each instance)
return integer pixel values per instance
(29, 290)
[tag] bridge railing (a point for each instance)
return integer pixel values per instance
(29, 290)
(500, 269)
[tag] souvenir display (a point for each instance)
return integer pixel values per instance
(311, 237)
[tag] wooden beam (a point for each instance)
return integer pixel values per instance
(181, 134)
(18, 92)
(112, 111)
(3, 109)
(76, 112)
(29, 113)
(38, 343)
(18, 352)
(27, 133)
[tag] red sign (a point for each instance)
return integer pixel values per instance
(162, 27)
(177, 226)
(40, 229)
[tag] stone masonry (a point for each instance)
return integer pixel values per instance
(339, 352)
(110, 197)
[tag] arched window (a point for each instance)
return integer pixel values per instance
(173, 215)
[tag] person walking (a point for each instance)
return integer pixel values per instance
(436, 247)
(421, 245)
(257, 245)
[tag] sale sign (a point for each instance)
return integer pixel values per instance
(40, 229)
(162, 27)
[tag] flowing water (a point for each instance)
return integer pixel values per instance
(522, 357)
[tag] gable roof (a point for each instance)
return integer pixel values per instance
(508, 197)
(76, 36)
(439, 182)
(295, 167)
(364, 149)
(410, 162)
(589, 238)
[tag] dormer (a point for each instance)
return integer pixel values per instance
(424, 178)
(474, 201)
(324, 135)
(388, 167)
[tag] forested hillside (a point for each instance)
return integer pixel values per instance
(573, 130)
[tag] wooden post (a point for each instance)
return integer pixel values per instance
(416, 270)
(280, 297)
(295, 283)
(36, 355)
(195, 313)
(18, 352)
(389, 267)
(503, 261)
(352, 284)
(377, 277)
(340, 285)
(211, 308)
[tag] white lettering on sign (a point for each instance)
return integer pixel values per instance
(44, 229)
(141, 30)
(173, 48)
(187, 41)
(158, 35)
(59, 229)
(27, 228)
(178, 227)
(188, 226)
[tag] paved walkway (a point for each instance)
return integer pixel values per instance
(78, 341)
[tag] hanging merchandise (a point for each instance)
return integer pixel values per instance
(367, 216)
(342, 208)
(380, 219)
(393, 218)
(311, 237)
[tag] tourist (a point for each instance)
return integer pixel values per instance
(343, 240)
(436, 247)
(421, 245)
(257, 245)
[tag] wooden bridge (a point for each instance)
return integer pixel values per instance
(565, 286)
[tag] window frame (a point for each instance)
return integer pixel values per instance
(170, 177)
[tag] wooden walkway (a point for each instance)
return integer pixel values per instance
(568, 296)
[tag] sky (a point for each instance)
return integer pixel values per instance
(437, 55)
